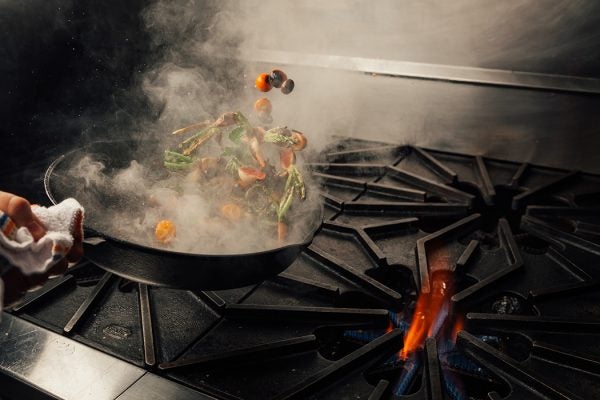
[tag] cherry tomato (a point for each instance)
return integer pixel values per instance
(263, 106)
(287, 86)
(277, 77)
(262, 82)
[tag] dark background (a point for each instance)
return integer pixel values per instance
(66, 66)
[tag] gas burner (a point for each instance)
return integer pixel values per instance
(435, 275)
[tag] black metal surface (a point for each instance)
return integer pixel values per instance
(154, 266)
(520, 241)
(146, 321)
(93, 297)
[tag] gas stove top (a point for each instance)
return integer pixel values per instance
(435, 275)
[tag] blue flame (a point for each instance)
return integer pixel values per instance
(454, 385)
(409, 370)
(368, 335)
(452, 358)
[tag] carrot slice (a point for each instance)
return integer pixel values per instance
(281, 231)
(299, 139)
(263, 105)
(249, 175)
(165, 231)
(286, 157)
(232, 212)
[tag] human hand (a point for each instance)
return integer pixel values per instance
(16, 283)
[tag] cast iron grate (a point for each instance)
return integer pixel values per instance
(518, 244)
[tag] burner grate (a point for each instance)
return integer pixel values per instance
(521, 243)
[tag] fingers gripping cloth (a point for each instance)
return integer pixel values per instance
(64, 226)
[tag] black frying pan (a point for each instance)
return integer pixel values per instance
(152, 265)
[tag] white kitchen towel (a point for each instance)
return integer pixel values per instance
(63, 223)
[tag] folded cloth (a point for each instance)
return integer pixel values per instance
(64, 226)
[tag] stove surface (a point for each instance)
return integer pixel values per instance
(496, 263)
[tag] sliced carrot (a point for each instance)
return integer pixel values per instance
(249, 175)
(165, 231)
(232, 212)
(263, 105)
(257, 152)
(281, 231)
(299, 139)
(286, 157)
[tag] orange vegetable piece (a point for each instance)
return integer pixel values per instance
(232, 212)
(262, 82)
(300, 140)
(249, 175)
(165, 231)
(281, 231)
(286, 157)
(263, 105)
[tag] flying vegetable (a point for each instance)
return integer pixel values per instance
(268, 191)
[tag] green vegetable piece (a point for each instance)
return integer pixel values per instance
(236, 134)
(196, 136)
(177, 166)
(276, 136)
(174, 157)
(299, 183)
(241, 119)
(232, 166)
(285, 204)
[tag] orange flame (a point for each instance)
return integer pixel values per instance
(458, 326)
(427, 310)
(389, 328)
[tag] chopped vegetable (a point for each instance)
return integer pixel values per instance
(299, 141)
(174, 157)
(232, 212)
(249, 175)
(263, 105)
(200, 125)
(281, 231)
(256, 152)
(238, 173)
(262, 82)
(287, 158)
(277, 77)
(165, 231)
(287, 86)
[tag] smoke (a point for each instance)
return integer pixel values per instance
(197, 73)
(128, 202)
(515, 36)
(196, 77)
(93, 70)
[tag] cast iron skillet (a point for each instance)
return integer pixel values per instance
(152, 265)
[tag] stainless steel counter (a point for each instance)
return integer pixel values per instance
(38, 364)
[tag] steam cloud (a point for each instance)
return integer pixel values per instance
(195, 78)
(127, 203)
(191, 70)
